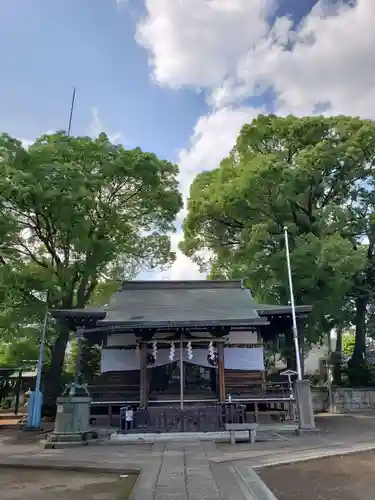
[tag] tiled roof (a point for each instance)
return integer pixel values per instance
(172, 304)
(182, 302)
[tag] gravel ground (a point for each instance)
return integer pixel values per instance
(350, 477)
(23, 484)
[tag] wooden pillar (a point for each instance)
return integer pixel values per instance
(110, 413)
(182, 374)
(221, 372)
(143, 377)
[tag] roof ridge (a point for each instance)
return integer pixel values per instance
(179, 284)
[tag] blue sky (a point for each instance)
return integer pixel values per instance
(54, 45)
(181, 77)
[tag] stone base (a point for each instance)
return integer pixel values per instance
(306, 420)
(218, 436)
(303, 432)
(59, 437)
(48, 445)
(68, 439)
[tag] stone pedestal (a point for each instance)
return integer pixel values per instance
(72, 424)
(305, 410)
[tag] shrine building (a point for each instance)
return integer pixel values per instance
(183, 355)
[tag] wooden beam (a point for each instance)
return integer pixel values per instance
(143, 376)
(221, 372)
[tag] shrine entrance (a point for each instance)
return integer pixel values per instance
(199, 382)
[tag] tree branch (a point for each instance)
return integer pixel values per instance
(28, 253)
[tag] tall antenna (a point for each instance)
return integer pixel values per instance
(71, 110)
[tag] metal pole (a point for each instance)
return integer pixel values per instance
(71, 111)
(329, 374)
(41, 352)
(295, 331)
(181, 374)
(34, 416)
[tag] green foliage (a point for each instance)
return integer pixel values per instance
(359, 376)
(90, 360)
(348, 343)
(309, 174)
(77, 214)
(19, 352)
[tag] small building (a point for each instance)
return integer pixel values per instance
(182, 355)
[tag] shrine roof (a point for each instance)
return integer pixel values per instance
(177, 304)
(182, 303)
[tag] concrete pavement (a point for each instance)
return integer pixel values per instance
(201, 470)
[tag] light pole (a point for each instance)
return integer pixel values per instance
(295, 331)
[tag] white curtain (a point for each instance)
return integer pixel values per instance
(235, 358)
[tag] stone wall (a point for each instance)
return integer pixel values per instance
(344, 399)
(348, 400)
(319, 400)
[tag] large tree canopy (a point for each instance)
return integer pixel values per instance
(313, 175)
(75, 212)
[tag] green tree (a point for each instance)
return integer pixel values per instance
(304, 173)
(90, 360)
(348, 343)
(77, 212)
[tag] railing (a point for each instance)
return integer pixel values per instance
(192, 419)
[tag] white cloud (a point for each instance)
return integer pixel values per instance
(227, 48)
(332, 60)
(26, 143)
(198, 42)
(96, 127)
(182, 268)
(213, 137)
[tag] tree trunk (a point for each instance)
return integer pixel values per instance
(337, 357)
(52, 378)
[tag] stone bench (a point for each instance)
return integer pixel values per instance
(232, 428)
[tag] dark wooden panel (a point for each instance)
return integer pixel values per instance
(239, 382)
(116, 386)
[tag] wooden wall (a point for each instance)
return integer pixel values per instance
(242, 383)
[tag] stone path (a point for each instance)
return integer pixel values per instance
(198, 470)
(185, 474)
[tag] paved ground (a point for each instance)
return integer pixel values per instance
(199, 470)
(24, 484)
(348, 477)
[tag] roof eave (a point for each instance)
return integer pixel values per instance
(282, 310)
(187, 324)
